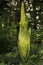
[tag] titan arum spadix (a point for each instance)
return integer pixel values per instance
(24, 36)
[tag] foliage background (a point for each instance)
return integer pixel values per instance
(9, 30)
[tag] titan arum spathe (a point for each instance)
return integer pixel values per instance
(24, 36)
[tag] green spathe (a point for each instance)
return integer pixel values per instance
(24, 36)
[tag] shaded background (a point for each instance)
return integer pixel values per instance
(9, 28)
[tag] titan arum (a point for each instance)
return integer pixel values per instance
(24, 36)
